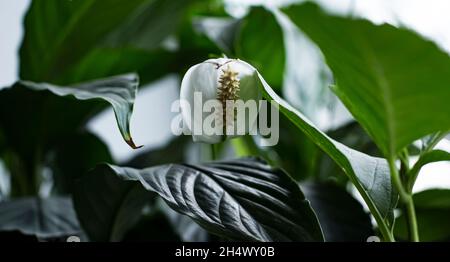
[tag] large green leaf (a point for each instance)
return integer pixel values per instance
(119, 92)
(101, 62)
(72, 157)
(433, 214)
(150, 24)
(241, 199)
(351, 135)
(185, 227)
(260, 42)
(341, 216)
(297, 154)
(58, 33)
(152, 227)
(394, 82)
(41, 217)
(65, 40)
(369, 174)
(161, 223)
(107, 206)
(35, 117)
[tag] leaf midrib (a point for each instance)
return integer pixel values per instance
(381, 79)
(68, 29)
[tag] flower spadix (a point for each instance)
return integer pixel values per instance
(220, 99)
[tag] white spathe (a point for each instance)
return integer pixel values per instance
(204, 78)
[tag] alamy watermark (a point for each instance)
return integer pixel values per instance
(230, 118)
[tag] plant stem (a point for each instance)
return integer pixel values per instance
(412, 220)
(411, 179)
(404, 196)
(385, 232)
(406, 199)
(213, 152)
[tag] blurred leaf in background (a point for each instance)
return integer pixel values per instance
(433, 214)
(35, 117)
(341, 216)
(44, 218)
(112, 32)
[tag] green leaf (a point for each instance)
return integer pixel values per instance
(36, 117)
(430, 157)
(341, 216)
(424, 159)
(369, 174)
(296, 153)
(128, 36)
(58, 110)
(149, 25)
(161, 223)
(121, 201)
(260, 42)
(59, 33)
(433, 213)
(73, 156)
(394, 82)
(41, 217)
(353, 136)
(107, 206)
(152, 227)
(185, 227)
(433, 198)
(240, 200)
(119, 92)
(102, 62)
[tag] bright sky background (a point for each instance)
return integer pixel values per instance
(151, 120)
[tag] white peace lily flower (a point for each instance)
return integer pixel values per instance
(219, 80)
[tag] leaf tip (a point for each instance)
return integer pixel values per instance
(131, 143)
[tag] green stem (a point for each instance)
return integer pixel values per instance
(406, 199)
(213, 152)
(404, 196)
(385, 232)
(412, 220)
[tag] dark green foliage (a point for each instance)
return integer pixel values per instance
(78, 58)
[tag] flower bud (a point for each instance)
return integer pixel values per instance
(228, 83)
